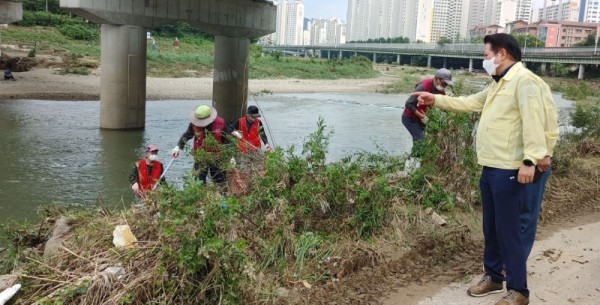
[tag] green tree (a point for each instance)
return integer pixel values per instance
(477, 39)
(40, 5)
(443, 41)
(531, 40)
(588, 42)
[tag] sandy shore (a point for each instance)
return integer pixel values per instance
(48, 85)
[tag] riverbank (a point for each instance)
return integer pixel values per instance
(47, 84)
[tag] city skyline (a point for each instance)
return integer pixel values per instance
(339, 8)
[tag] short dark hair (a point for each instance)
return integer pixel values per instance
(504, 41)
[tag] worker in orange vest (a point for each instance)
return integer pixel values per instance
(147, 172)
(250, 131)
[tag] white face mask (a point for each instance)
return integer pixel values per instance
(490, 66)
(440, 88)
(153, 157)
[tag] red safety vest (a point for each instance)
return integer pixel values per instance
(216, 130)
(250, 140)
(147, 180)
(428, 84)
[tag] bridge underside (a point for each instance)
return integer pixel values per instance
(10, 11)
(123, 46)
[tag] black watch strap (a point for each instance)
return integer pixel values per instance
(528, 162)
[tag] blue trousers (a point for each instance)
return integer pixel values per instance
(416, 128)
(530, 210)
(502, 196)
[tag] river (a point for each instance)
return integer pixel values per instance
(54, 151)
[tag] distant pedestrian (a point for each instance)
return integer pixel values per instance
(8, 74)
(146, 172)
(154, 48)
(176, 43)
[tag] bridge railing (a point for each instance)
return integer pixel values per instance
(435, 48)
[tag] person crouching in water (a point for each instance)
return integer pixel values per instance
(147, 172)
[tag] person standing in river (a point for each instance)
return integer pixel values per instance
(511, 141)
(204, 123)
(249, 131)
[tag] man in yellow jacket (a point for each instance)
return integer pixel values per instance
(517, 130)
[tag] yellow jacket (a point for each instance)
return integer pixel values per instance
(518, 119)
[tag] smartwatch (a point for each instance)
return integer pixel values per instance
(528, 162)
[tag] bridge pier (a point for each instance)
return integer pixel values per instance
(581, 71)
(444, 65)
(374, 58)
(548, 69)
(341, 55)
(328, 54)
(398, 59)
(470, 64)
(428, 61)
(230, 78)
(355, 54)
(123, 78)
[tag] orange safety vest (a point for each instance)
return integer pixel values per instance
(250, 140)
(216, 130)
(147, 180)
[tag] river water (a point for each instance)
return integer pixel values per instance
(54, 151)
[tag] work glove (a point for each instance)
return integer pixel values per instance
(175, 152)
(136, 189)
(425, 120)
(268, 147)
(237, 134)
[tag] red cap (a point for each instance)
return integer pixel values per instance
(151, 147)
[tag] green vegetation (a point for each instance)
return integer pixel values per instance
(531, 40)
(300, 222)
(293, 67)
(60, 35)
(464, 82)
(384, 40)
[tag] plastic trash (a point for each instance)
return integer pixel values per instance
(8, 293)
(123, 237)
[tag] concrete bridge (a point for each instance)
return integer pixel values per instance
(10, 11)
(470, 54)
(123, 49)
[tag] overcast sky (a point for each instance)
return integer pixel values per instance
(339, 8)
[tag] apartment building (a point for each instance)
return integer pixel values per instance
(326, 31)
(450, 19)
(482, 30)
(370, 19)
(290, 22)
(561, 11)
(557, 33)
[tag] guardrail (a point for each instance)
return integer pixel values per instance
(436, 49)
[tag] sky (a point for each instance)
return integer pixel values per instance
(338, 8)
